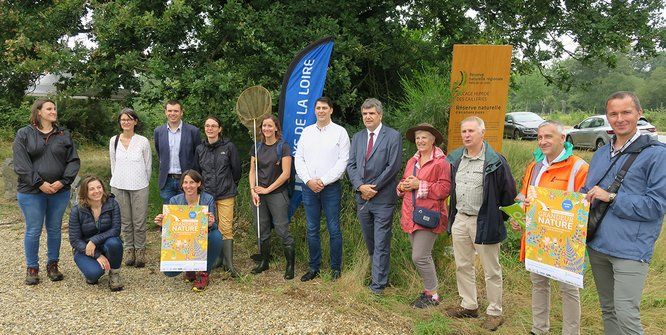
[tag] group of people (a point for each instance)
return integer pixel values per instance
(106, 228)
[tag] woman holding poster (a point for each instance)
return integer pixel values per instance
(425, 186)
(191, 183)
(94, 230)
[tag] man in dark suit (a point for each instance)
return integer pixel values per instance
(375, 158)
(175, 143)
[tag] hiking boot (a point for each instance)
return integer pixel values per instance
(335, 275)
(115, 281)
(52, 271)
(140, 258)
(265, 254)
(129, 257)
(461, 312)
(310, 275)
(492, 322)
(290, 255)
(425, 301)
(189, 276)
(201, 281)
(32, 276)
(90, 282)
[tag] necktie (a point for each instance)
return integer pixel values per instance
(371, 143)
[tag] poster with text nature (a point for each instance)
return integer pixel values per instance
(556, 228)
(184, 238)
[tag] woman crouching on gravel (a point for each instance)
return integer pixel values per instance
(192, 195)
(94, 227)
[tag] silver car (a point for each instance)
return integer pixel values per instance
(595, 131)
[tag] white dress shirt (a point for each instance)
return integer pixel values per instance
(374, 140)
(322, 153)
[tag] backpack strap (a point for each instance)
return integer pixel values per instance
(115, 145)
(279, 147)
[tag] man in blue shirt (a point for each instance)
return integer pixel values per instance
(621, 249)
(175, 143)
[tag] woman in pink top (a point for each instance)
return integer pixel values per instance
(426, 183)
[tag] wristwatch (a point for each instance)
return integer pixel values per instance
(611, 197)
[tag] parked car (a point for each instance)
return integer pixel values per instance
(519, 125)
(595, 131)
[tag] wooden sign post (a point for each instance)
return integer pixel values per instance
(480, 75)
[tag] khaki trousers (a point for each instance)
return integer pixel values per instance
(541, 306)
(463, 232)
(133, 213)
(225, 217)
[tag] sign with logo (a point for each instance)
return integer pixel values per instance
(480, 82)
(184, 238)
(555, 233)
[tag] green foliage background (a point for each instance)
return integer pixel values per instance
(206, 52)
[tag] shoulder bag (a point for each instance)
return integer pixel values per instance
(423, 217)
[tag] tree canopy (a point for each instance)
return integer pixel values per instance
(205, 52)
(592, 83)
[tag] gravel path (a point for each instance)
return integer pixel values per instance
(152, 303)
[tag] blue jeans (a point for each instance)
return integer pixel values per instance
(112, 249)
(171, 188)
(328, 200)
(40, 209)
(214, 250)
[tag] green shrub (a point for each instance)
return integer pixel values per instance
(427, 99)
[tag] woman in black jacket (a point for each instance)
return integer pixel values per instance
(94, 230)
(46, 163)
(218, 161)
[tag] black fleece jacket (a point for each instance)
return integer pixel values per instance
(40, 158)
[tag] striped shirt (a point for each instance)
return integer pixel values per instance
(614, 152)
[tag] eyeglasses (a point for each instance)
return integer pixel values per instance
(211, 126)
(126, 120)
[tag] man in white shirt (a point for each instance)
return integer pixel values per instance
(321, 158)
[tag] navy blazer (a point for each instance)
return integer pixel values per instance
(382, 167)
(189, 141)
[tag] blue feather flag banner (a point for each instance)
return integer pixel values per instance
(303, 84)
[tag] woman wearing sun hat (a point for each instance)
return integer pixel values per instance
(425, 184)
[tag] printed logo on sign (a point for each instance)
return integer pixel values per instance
(193, 215)
(567, 205)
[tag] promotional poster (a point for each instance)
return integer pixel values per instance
(184, 238)
(556, 228)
